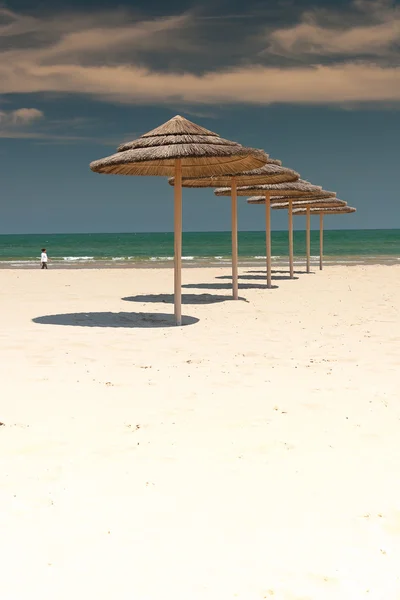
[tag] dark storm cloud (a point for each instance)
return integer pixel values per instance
(217, 53)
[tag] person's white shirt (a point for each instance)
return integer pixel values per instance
(43, 257)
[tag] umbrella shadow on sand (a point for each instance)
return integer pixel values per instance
(128, 320)
(258, 277)
(227, 286)
(276, 272)
(186, 298)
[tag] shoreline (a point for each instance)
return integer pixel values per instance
(192, 262)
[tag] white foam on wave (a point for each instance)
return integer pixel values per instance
(19, 262)
(76, 258)
(156, 258)
(126, 258)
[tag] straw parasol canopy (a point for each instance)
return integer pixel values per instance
(304, 204)
(339, 210)
(180, 148)
(202, 152)
(324, 196)
(270, 173)
(283, 190)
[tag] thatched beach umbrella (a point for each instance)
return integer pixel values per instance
(324, 210)
(324, 199)
(179, 148)
(283, 203)
(306, 205)
(297, 189)
(269, 173)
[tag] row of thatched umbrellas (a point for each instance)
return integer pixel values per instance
(331, 205)
(196, 157)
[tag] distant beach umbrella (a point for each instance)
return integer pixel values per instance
(179, 148)
(326, 210)
(290, 191)
(321, 202)
(325, 199)
(269, 173)
(295, 189)
(320, 196)
(306, 205)
(323, 210)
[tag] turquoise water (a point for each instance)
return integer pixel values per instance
(121, 248)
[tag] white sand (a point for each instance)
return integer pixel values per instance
(253, 454)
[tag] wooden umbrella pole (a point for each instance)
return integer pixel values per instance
(268, 236)
(178, 241)
(235, 285)
(321, 240)
(308, 237)
(291, 262)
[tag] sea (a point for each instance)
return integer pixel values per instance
(105, 250)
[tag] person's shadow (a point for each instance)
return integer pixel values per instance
(110, 319)
(186, 298)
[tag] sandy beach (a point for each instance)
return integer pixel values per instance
(253, 453)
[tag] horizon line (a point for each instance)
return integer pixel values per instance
(186, 232)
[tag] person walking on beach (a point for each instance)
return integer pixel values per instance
(43, 258)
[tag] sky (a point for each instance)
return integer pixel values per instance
(316, 84)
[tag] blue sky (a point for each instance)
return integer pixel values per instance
(316, 84)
